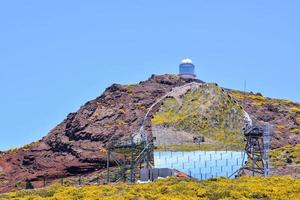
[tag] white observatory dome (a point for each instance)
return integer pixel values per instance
(186, 61)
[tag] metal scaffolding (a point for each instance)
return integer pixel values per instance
(126, 157)
(257, 149)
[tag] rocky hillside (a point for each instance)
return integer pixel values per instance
(72, 147)
(204, 112)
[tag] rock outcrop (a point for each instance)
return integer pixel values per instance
(72, 147)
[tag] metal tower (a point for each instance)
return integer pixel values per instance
(257, 149)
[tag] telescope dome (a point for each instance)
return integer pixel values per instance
(187, 69)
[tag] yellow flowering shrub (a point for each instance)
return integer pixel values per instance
(289, 154)
(295, 109)
(241, 95)
(173, 189)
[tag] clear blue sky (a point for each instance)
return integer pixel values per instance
(56, 55)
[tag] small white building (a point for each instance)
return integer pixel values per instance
(187, 69)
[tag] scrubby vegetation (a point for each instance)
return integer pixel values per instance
(206, 111)
(173, 188)
(284, 116)
(280, 105)
(289, 154)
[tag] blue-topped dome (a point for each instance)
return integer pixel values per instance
(187, 69)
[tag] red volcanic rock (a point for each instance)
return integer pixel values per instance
(72, 147)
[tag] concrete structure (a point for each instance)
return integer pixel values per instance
(153, 174)
(187, 69)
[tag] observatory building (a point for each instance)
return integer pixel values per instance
(187, 69)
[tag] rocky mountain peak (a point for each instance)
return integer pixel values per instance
(72, 147)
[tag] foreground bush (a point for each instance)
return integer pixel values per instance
(174, 188)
